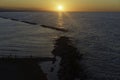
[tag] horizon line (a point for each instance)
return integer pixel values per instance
(33, 10)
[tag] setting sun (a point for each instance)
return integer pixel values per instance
(60, 8)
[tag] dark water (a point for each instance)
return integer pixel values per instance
(96, 36)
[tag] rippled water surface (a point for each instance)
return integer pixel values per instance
(96, 35)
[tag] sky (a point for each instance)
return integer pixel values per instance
(68, 5)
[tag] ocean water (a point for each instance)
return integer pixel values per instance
(96, 35)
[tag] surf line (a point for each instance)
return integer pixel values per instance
(32, 23)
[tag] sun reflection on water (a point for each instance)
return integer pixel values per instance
(60, 20)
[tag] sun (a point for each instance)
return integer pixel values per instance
(60, 8)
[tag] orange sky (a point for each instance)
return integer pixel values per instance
(69, 5)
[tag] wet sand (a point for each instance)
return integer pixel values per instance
(29, 69)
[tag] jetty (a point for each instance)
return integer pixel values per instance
(33, 23)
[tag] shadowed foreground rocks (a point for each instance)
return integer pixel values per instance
(22, 69)
(70, 67)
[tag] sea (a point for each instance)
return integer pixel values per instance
(95, 34)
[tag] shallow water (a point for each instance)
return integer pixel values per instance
(96, 36)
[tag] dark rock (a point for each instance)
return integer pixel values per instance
(70, 67)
